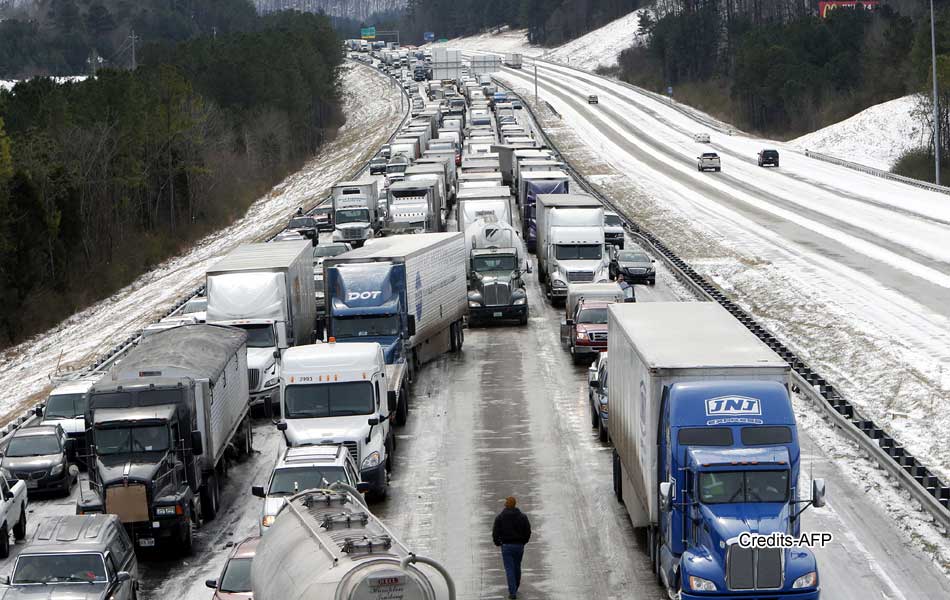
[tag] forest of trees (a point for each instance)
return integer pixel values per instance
(779, 68)
(104, 178)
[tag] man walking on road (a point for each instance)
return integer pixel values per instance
(511, 531)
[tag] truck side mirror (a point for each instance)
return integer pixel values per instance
(258, 491)
(197, 446)
(123, 576)
(666, 499)
(818, 493)
(412, 325)
(362, 487)
(211, 583)
(391, 400)
(276, 353)
(282, 426)
(38, 410)
(373, 422)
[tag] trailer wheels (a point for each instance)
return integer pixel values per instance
(187, 539)
(209, 498)
(618, 485)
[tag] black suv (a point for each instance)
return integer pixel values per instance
(768, 158)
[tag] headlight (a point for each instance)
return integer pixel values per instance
(272, 382)
(581, 335)
(267, 521)
(520, 301)
(166, 511)
(371, 461)
(698, 584)
(806, 580)
(474, 304)
(57, 469)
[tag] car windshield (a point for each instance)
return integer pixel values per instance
(494, 262)
(123, 440)
(352, 215)
(577, 251)
(347, 327)
(59, 568)
(399, 167)
(328, 400)
(592, 316)
(724, 487)
(33, 445)
(612, 220)
(328, 250)
(65, 406)
(260, 336)
(633, 257)
(302, 223)
(237, 576)
(292, 480)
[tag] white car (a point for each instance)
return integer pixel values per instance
(708, 161)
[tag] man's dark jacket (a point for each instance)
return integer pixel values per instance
(511, 527)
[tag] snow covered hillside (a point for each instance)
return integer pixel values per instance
(601, 47)
(876, 136)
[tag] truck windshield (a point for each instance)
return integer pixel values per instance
(577, 252)
(302, 223)
(352, 215)
(399, 167)
(124, 440)
(724, 487)
(592, 316)
(297, 479)
(33, 445)
(260, 336)
(348, 327)
(329, 400)
(494, 262)
(65, 406)
(612, 221)
(59, 568)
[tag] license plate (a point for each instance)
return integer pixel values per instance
(32, 485)
(497, 314)
(146, 542)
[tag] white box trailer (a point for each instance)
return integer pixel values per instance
(447, 163)
(434, 174)
(521, 154)
(486, 207)
(492, 177)
(513, 60)
(654, 345)
(567, 211)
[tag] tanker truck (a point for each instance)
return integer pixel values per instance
(326, 544)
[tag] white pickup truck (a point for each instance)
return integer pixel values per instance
(708, 161)
(12, 513)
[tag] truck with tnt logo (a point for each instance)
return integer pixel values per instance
(706, 452)
(407, 292)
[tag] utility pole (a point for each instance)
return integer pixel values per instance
(933, 57)
(133, 38)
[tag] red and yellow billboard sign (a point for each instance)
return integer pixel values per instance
(826, 7)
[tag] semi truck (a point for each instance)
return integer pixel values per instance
(706, 453)
(570, 242)
(414, 207)
(346, 394)
(355, 211)
(160, 425)
(268, 290)
(327, 544)
(530, 186)
(434, 174)
(406, 292)
(496, 289)
(513, 60)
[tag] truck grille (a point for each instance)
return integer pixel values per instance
(352, 234)
(253, 378)
(496, 294)
(754, 569)
(598, 336)
(354, 449)
(580, 276)
(128, 502)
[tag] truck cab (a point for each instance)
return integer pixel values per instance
(496, 287)
(354, 218)
(728, 464)
(339, 394)
(574, 255)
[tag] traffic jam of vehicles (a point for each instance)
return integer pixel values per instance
(320, 335)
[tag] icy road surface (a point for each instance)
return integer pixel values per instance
(372, 108)
(850, 270)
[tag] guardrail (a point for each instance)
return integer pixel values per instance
(105, 360)
(877, 172)
(913, 476)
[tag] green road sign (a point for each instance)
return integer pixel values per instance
(443, 40)
(368, 33)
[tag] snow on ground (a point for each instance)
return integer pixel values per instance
(501, 41)
(372, 108)
(876, 136)
(601, 47)
(7, 84)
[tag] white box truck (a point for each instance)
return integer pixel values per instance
(570, 244)
(414, 207)
(355, 211)
(513, 60)
(267, 290)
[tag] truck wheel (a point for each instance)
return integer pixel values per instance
(4, 542)
(209, 498)
(402, 411)
(602, 431)
(461, 330)
(618, 486)
(187, 539)
(524, 318)
(594, 420)
(19, 530)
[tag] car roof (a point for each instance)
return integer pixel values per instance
(310, 454)
(65, 533)
(38, 430)
(246, 548)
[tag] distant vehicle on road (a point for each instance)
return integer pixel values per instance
(701, 138)
(324, 217)
(516, 104)
(592, 99)
(305, 226)
(708, 161)
(768, 158)
(377, 166)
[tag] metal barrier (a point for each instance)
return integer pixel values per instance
(877, 172)
(922, 484)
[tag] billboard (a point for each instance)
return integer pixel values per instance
(824, 8)
(368, 33)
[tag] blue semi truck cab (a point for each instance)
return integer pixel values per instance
(723, 476)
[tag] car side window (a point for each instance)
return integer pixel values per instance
(110, 567)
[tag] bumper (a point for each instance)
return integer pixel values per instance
(145, 535)
(762, 595)
(614, 238)
(258, 398)
(375, 477)
(589, 350)
(501, 313)
(557, 292)
(48, 483)
(642, 278)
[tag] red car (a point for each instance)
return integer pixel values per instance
(588, 328)
(235, 580)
